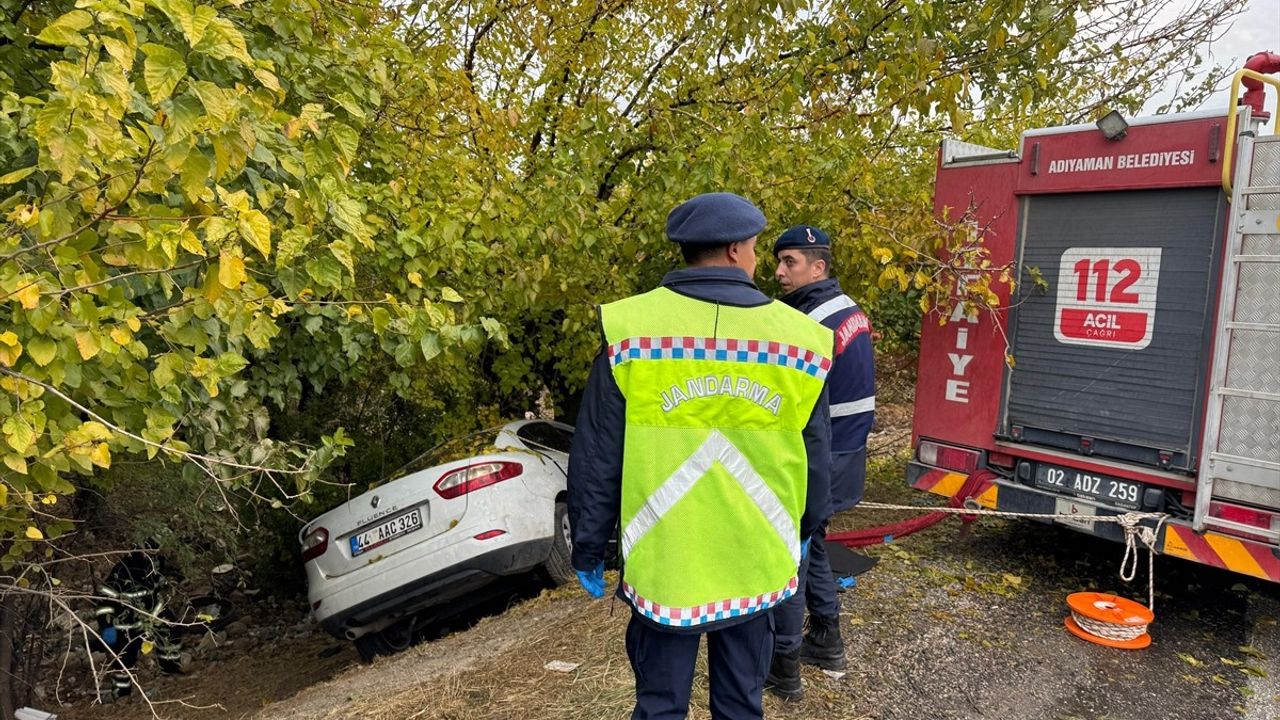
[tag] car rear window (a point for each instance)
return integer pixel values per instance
(480, 443)
(542, 435)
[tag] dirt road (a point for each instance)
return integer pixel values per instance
(942, 628)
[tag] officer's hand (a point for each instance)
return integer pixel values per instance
(804, 548)
(593, 580)
(109, 635)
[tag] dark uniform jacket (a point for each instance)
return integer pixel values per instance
(851, 384)
(595, 461)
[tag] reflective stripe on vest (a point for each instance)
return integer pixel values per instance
(831, 307)
(711, 612)
(723, 349)
(854, 407)
(717, 448)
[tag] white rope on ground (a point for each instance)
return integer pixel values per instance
(1110, 631)
(1129, 522)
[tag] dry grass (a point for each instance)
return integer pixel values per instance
(515, 685)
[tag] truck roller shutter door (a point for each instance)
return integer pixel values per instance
(1115, 351)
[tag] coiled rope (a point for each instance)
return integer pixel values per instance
(1110, 631)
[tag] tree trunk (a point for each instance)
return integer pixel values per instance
(8, 625)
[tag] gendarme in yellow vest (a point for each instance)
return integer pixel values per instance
(714, 467)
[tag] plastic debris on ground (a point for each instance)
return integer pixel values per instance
(561, 666)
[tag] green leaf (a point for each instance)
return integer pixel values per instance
(42, 350)
(231, 363)
(16, 175)
(66, 29)
(18, 432)
(381, 319)
(222, 40)
(348, 214)
(168, 366)
(346, 140)
(448, 294)
(341, 250)
(217, 102)
(256, 229)
(495, 330)
(261, 330)
(16, 463)
(120, 50)
(350, 104)
(162, 71)
(292, 242)
(430, 344)
(195, 173)
(326, 270)
(194, 25)
(268, 79)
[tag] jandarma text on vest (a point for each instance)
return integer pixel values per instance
(700, 386)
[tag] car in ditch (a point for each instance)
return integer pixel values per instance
(442, 529)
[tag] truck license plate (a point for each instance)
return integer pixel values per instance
(1108, 490)
(386, 532)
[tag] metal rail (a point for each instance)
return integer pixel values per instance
(1233, 112)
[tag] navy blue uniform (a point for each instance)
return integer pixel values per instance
(663, 657)
(851, 388)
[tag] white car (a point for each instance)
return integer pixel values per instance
(441, 530)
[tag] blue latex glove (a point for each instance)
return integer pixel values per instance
(804, 548)
(846, 582)
(109, 635)
(593, 580)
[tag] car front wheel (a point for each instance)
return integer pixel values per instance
(558, 566)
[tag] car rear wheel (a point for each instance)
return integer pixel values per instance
(558, 566)
(387, 641)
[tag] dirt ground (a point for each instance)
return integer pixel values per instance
(949, 625)
(943, 627)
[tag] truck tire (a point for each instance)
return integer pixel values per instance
(558, 567)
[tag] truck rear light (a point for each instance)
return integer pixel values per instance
(1261, 519)
(1000, 459)
(314, 544)
(473, 477)
(488, 534)
(951, 458)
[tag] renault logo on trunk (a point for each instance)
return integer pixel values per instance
(374, 502)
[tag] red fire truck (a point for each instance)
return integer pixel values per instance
(1146, 377)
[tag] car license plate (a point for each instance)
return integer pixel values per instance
(386, 532)
(1106, 489)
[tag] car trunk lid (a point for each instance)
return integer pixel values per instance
(387, 520)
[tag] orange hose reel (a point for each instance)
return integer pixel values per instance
(1109, 620)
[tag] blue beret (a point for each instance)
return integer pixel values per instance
(715, 219)
(801, 236)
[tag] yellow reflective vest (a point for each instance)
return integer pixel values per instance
(714, 465)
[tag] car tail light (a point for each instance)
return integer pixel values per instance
(489, 534)
(314, 544)
(473, 477)
(951, 458)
